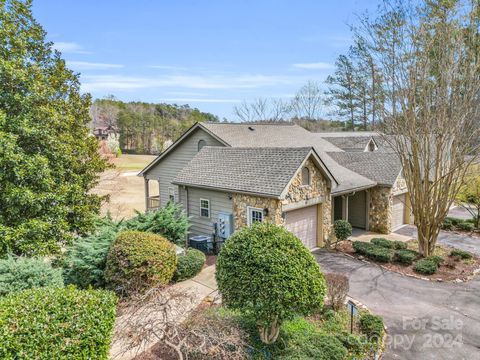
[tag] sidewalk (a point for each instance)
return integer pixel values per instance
(366, 236)
(198, 288)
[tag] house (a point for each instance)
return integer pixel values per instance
(230, 175)
(102, 132)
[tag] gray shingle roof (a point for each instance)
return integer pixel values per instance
(380, 167)
(265, 171)
(240, 135)
(349, 143)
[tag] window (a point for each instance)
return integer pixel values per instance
(171, 194)
(254, 215)
(201, 144)
(305, 176)
(204, 208)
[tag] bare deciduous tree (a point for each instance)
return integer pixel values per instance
(433, 119)
(261, 109)
(308, 101)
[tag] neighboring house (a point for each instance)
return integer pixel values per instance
(230, 175)
(102, 132)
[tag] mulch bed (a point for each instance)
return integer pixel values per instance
(463, 270)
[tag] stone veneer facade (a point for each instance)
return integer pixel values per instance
(296, 193)
(381, 202)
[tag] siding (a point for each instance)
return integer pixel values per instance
(166, 170)
(219, 202)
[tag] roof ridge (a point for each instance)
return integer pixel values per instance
(247, 123)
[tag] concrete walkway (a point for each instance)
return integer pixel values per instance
(196, 290)
(366, 236)
(426, 320)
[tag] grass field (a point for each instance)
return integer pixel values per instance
(124, 188)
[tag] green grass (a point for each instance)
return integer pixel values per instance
(129, 162)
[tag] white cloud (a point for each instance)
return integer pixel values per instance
(85, 65)
(223, 81)
(314, 66)
(69, 48)
(206, 100)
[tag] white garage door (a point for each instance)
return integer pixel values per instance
(303, 223)
(398, 211)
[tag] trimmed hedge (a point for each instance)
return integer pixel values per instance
(57, 323)
(371, 326)
(461, 253)
(189, 265)
(426, 266)
(139, 260)
(389, 244)
(342, 229)
(373, 251)
(21, 273)
(405, 256)
(466, 226)
(436, 259)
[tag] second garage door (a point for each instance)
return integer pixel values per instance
(303, 223)
(398, 211)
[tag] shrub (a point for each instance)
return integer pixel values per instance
(265, 271)
(57, 323)
(373, 252)
(447, 224)
(389, 244)
(84, 262)
(351, 342)
(139, 260)
(426, 266)
(371, 326)
(337, 289)
(190, 264)
(454, 221)
(342, 229)
(170, 221)
(466, 226)
(436, 259)
(405, 256)
(461, 253)
(21, 273)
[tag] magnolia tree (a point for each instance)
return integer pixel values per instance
(428, 57)
(266, 272)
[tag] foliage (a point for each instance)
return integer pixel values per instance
(18, 274)
(169, 221)
(189, 265)
(85, 260)
(469, 194)
(426, 266)
(447, 224)
(436, 259)
(57, 323)
(342, 229)
(265, 271)
(461, 253)
(146, 127)
(138, 260)
(466, 226)
(389, 244)
(405, 256)
(373, 252)
(337, 289)
(48, 163)
(371, 326)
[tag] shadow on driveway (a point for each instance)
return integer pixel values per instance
(425, 320)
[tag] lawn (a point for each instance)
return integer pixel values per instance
(128, 162)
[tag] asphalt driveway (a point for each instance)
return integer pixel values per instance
(425, 320)
(448, 238)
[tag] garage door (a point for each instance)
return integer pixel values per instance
(303, 223)
(357, 210)
(398, 211)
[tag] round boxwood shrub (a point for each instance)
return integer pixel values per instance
(57, 323)
(139, 260)
(405, 256)
(371, 326)
(426, 266)
(389, 244)
(21, 273)
(266, 272)
(342, 229)
(466, 226)
(189, 265)
(461, 253)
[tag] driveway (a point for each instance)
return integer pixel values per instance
(415, 309)
(448, 238)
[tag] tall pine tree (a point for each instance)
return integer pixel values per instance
(48, 162)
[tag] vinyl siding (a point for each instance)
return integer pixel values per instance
(219, 202)
(166, 170)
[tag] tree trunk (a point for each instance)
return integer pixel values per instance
(269, 334)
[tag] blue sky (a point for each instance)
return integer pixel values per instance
(211, 54)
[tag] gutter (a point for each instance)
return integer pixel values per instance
(360, 188)
(251, 193)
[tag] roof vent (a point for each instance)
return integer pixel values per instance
(251, 128)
